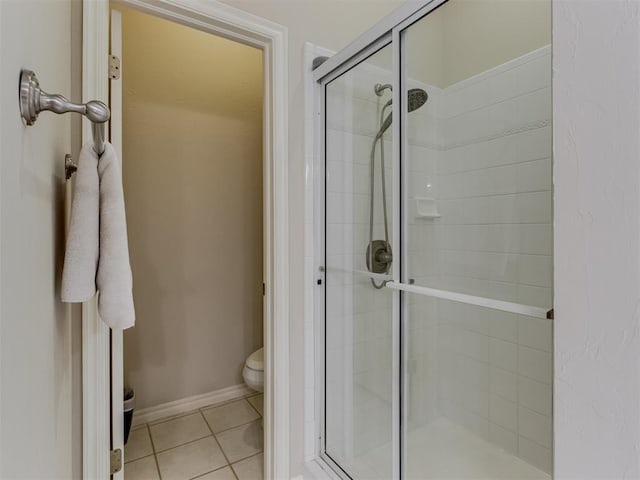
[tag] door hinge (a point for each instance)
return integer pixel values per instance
(116, 460)
(70, 167)
(114, 67)
(264, 289)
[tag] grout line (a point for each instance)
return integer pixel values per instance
(212, 471)
(183, 444)
(153, 447)
(139, 458)
(219, 445)
(255, 420)
(488, 167)
(261, 452)
(233, 470)
(253, 406)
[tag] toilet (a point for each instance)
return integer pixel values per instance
(253, 372)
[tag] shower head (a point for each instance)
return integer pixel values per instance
(416, 97)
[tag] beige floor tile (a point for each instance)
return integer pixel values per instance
(230, 415)
(241, 442)
(190, 460)
(250, 468)
(223, 474)
(257, 401)
(178, 431)
(141, 469)
(138, 445)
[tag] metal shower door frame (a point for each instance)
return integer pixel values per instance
(387, 32)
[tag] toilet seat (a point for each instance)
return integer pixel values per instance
(256, 360)
(253, 371)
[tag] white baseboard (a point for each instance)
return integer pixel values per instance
(185, 405)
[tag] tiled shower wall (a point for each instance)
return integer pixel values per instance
(495, 240)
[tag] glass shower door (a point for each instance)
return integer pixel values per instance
(359, 378)
(438, 247)
(477, 253)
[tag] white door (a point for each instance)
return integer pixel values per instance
(115, 104)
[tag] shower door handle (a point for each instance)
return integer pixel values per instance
(517, 308)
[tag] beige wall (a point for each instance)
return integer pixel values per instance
(39, 384)
(192, 166)
(481, 34)
(463, 38)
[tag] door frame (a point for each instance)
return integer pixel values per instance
(234, 24)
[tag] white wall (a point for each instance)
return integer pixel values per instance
(596, 57)
(38, 427)
(192, 174)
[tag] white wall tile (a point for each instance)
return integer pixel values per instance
(535, 426)
(506, 439)
(535, 454)
(535, 396)
(535, 333)
(503, 325)
(534, 74)
(535, 364)
(504, 355)
(535, 270)
(504, 413)
(534, 144)
(504, 384)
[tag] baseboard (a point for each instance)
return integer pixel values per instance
(185, 405)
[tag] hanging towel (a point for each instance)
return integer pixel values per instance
(81, 255)
(110, 271)
(114, 281)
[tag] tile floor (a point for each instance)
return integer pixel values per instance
(219, 442)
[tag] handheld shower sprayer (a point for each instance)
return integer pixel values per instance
(379, 255)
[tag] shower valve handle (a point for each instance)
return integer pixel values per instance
(384, 256)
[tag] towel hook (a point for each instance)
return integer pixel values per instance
(33, 101)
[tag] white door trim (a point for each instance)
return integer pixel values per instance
(237, 25)
(96, 404)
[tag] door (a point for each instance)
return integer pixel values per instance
(117, 367)
(438, 246)
(360, 378)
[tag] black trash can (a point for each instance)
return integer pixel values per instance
(129, 405)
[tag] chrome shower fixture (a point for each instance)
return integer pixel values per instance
(416, 97)
(379, 255)
(379, 88)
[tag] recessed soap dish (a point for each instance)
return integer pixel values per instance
(426, 208)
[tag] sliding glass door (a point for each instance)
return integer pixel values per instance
(438, 247)
(359, 309)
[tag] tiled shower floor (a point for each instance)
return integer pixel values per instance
(219, 442)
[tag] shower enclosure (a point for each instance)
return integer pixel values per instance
(436, 225)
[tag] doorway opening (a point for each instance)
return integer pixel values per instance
(103, 348)
(192, 163)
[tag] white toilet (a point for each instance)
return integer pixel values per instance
(253, 371)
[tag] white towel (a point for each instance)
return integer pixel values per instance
(111, 273)
(81, 256)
